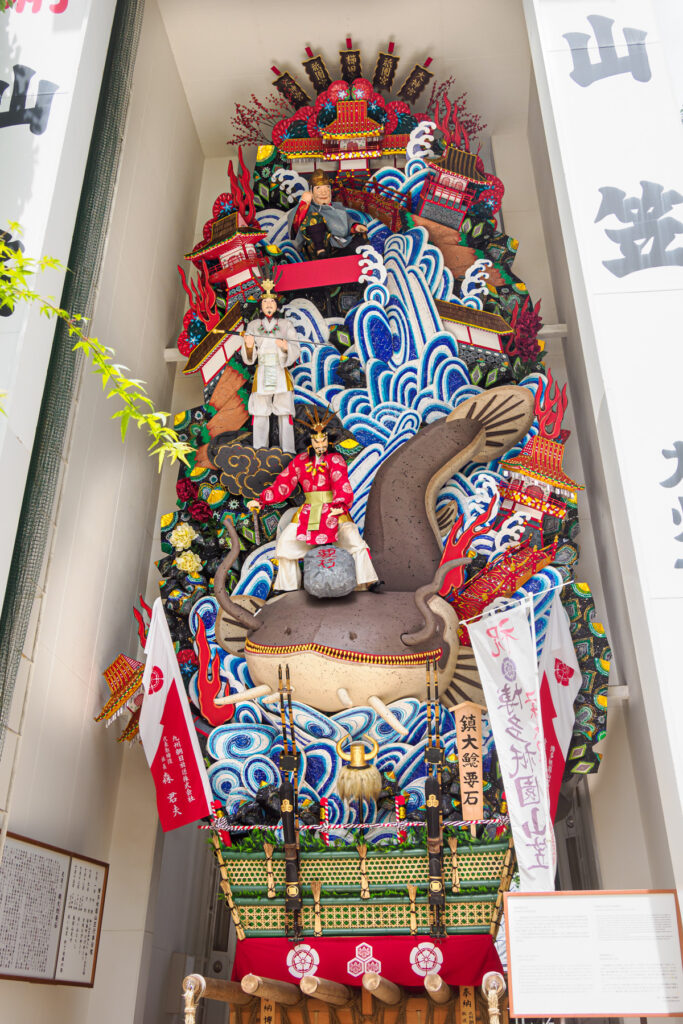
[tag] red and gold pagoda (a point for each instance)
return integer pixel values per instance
(536, 481)
(230, 254)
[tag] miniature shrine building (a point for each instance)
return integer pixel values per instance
(453, 186)
(352, 134)
(537, 483)
(230, 254)
(350, 142)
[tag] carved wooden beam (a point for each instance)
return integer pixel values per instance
(268, 988)
(493, 989)
(437, 988)
(381, 988)
(328, 991)
(196, 987)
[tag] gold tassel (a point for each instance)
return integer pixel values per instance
(412, 893)
(364, 886)
(455, 873)
(270, 877)
(359, 784)
(316, 887)
(359, 780)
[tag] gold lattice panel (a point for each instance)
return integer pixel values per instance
(385, 871)
(251, 871)
(471, 914)
(477, 866)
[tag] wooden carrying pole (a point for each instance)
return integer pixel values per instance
(196, 987)
(493, 990)
(437, 988)
(328, 991)
(267, 988)
(381, 989)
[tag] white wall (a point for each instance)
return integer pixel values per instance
(75, 786)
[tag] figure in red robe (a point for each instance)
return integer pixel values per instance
(324, 517)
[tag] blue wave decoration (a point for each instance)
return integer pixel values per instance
(238, 740)
(356, 721)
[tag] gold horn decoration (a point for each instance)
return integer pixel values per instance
(455, 873)
(505, 880)
(270, 877)
(364, 885)
(412, 895)
(225, 888)
(316, 888)
(359, 780)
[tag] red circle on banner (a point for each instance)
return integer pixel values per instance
(156, 679)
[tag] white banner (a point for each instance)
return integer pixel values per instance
(560, 677)
(168, 734)
(505, 652)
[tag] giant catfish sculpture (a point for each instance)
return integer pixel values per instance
(372, 647)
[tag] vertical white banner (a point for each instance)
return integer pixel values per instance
(505, 652)
(613, 128)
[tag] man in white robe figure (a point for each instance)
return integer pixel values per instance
(272, 343)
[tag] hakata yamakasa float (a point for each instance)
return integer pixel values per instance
(371, 675)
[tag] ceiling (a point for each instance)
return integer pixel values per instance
(224, 50)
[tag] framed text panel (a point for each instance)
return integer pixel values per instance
(51, 903)
(594, 954)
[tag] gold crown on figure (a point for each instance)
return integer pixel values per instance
(267, 287)
(313, 421)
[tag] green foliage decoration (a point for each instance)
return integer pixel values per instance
(17, 278)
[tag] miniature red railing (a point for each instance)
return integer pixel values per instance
(379, 201)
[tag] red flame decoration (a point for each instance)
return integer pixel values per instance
(457, 134)
(242, 193)
(202, 297)
(143, 627)
(457, 546)
(550, 408)
(209, 681)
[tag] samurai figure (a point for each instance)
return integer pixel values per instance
(322, 228)
(272, 343)
(324, 517)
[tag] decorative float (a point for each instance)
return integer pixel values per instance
(391, 671)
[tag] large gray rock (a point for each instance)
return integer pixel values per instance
(329, 572)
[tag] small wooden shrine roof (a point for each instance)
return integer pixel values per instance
(208, 345)
(479, 318)
(352, 122)
(541, 459)
(458, 161)
(223, 230)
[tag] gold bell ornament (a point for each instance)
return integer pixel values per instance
(359, 779)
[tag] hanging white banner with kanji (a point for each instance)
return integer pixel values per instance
(560, 677)
(505, 652)
(168, 734)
